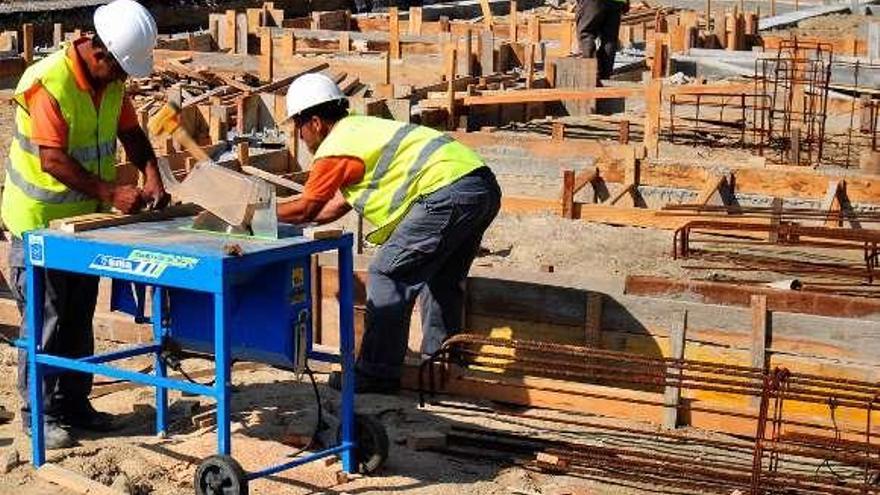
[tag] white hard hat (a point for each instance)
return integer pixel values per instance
(129, 32)
(310, 91)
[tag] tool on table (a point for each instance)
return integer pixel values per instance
(235, 203)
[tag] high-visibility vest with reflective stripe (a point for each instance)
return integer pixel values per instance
(403, 162)
(32, 198)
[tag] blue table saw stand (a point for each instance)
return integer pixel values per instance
(236, 297)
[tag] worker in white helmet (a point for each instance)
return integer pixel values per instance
(72, 108)
(430, 199)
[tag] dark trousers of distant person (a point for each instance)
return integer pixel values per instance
(600, 20)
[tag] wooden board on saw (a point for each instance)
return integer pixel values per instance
(93, 221)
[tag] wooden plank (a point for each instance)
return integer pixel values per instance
(593, 321)
(452, 121)
(57, 34)
(72, 481)
(579, 75)
(672, 394)
(486, 49)
(525, 301)
(547, 95)
(731, 294)
(93, 221)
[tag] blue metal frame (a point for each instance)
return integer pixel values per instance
(79, 253)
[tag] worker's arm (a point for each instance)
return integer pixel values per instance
(57, 163)
(300, 210)
(333, 210)
(140, 152)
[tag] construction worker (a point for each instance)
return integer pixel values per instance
(600, 20)
(430, 199)
(71, 110)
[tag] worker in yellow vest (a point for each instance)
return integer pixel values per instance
(430, 199)
(599, 20)
(71, 110)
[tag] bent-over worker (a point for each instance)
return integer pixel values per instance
(71, 110)
(430, 199)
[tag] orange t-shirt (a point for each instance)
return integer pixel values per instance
(329, 174)
(48, 127)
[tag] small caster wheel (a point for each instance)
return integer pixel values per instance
(371, 443)
(220, 475)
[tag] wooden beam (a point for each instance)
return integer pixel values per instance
(760, 334)
(274, 179)
(545, 95)
(57, 34)
(486, 49)
(231, 38)
(452, 122)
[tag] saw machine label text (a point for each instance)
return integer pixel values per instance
(142, 263)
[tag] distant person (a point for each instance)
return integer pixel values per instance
(600, 20)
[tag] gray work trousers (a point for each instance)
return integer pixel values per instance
(599, 20)
(68, 310)
(429, 253)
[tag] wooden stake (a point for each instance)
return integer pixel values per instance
(534, 29)
(486, 49)
(244, 154)
(672, 394)
(530, 65)
(444, 24)
(558, 133)
(288, 43)
(468, 53)
(415, 21)
(593, 320)
(387, 76)
(772, 8)
(57, 34)
(394, 33)
(27, 53)
(568, 194)
(653, 99)
(231, 35)
(760, 335)
(267, 59)
(345, 42)
(513, 21)
(567, 37)
(450, 88)
(487, 14)
(623, 132)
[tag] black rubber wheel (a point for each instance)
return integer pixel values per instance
(220, 475)
(371, 443)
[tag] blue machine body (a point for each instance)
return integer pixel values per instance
(234, 297)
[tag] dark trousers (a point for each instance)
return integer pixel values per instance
(599, 20)
(429, 253)
(67, 331)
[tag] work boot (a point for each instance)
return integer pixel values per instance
(366, 384)
(54, 436)
(85, 417)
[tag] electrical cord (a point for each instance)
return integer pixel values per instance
(320, 421)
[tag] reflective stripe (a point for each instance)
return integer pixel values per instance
(429, 149)
(82, 155)
(40, 194)
(385, 159)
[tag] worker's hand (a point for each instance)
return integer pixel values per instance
(154, 195)
(127, 199)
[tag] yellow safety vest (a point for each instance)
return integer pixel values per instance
(32, 198)
(403, 163)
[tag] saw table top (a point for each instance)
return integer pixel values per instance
(177, 236)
